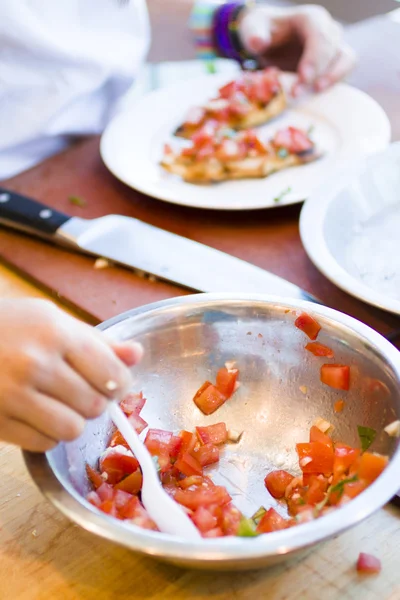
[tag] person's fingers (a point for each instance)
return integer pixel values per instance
(130, 353)
(341, 66)
(46, 415)
(322, 38)
(21, 434)
(255, 32)
(317, 56)
(99, 365)
(65, 385)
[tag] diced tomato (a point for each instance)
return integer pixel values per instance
(254, 143)
(207, 454)
(208, 398)
(137, 422)
(133, 403)
(371, 466)
(316, 435)
(227, 90)
(345, 457)
(94, 499)
(132, 483)
(295, 503)
(121, 499)
(276, 483)
(367, 563)
(206, 134)
(157, 441)
(338, 406)
(117, 439)
(228, 150)
(271, 521)
(212, 434)
(239, 104)
(316, 491)
(117, 462)
(195, 481)
(195, 116)
(105, 492)
(203, 519)
(137, 514)
(203, 497)
(188, 465)
(315, 458)
(353, 489)
(226, 381)
(189, 442)
(213, 533)
(174, 446)
(206, 151)
(130, 508)
(293, 140)
(189, 152)
(319, 349)
(308, 325)
(94, 476)
(168, 149)
(230, 519)
(108, 507)
(336, 376)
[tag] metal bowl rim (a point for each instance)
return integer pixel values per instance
(379, 493)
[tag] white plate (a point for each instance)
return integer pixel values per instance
(351, 230)
(346, 124)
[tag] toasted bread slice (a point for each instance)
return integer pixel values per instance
(251, 100)
(241, 156)
(213, 170)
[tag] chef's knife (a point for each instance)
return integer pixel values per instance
(144, 248)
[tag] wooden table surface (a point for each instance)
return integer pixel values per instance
(45, 557)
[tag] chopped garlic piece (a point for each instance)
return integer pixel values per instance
(393, 429)
(234, 436)
(303, 389)
(101, 263)
(34, 533)
(230, 364)
(322, 424)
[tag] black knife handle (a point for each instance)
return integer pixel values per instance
(29, 215)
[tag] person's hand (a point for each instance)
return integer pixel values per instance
(55, 372)
(306, 39)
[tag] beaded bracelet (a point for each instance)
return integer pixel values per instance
(215, 26)
(225, 31)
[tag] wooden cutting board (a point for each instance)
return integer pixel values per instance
(267, 238)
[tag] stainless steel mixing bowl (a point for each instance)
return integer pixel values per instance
(185, 341)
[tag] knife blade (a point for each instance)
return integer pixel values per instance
(144, 248)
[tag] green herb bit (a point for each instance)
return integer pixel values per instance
(77, 201)
(211, 67)
(367, 436)
(247, 528)
(282, 153)
(283, 194)
(258, 515)
(339, 487)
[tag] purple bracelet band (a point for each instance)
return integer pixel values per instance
(222, 39)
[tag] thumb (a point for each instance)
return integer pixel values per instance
(255, 32)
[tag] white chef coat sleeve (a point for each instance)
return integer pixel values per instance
(63, 66)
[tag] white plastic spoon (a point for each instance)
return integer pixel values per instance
(165, 512)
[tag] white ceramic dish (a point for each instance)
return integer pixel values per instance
(350, 229)
(347, 124)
